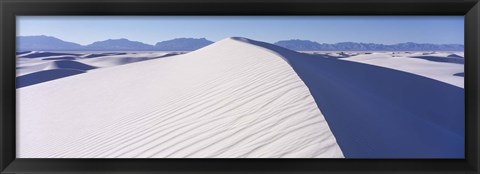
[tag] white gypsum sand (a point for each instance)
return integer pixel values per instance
(407, 62)
(35, 61)
(227, 100)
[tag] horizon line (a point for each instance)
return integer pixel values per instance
(244, 37)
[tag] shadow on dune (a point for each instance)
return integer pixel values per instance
(66, 67)
(454, 56)
(44, 76)
(457, 60)
(47, 54)
(54, 70)
(22, 52)
(167, 55)
(114, 61)
(61, 58)
(95, 55)
(376, 112)
(331, 57)
(65, 64)
(103, 54)
(460, 74)
(119, 60)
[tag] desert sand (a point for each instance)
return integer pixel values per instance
(240, 98)
(227, 100)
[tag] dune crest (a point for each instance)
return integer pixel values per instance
(230, 99)
(380, 112)
(241, 98)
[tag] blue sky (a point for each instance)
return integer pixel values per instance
(323, 29)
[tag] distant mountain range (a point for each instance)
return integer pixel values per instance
(45, 43)
(306, 45)
(118, 45)
(48, 43)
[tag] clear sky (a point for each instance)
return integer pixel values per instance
(323, 29)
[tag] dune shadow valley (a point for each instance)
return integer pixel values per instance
(239, 98)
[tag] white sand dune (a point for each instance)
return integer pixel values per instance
(377, 112)
(238, 98)
(417, 63)
(51, 70)
(230, 99)
(32, 61)
(38, 67)
(44, 54)
(121, 59)
(65, 64)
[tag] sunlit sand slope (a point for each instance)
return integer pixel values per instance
(230, 99)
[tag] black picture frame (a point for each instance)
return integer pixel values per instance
(470, 9)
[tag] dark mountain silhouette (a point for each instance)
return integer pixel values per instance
(45, 43)
(119, 45)
(307, 45)
(48, 43)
